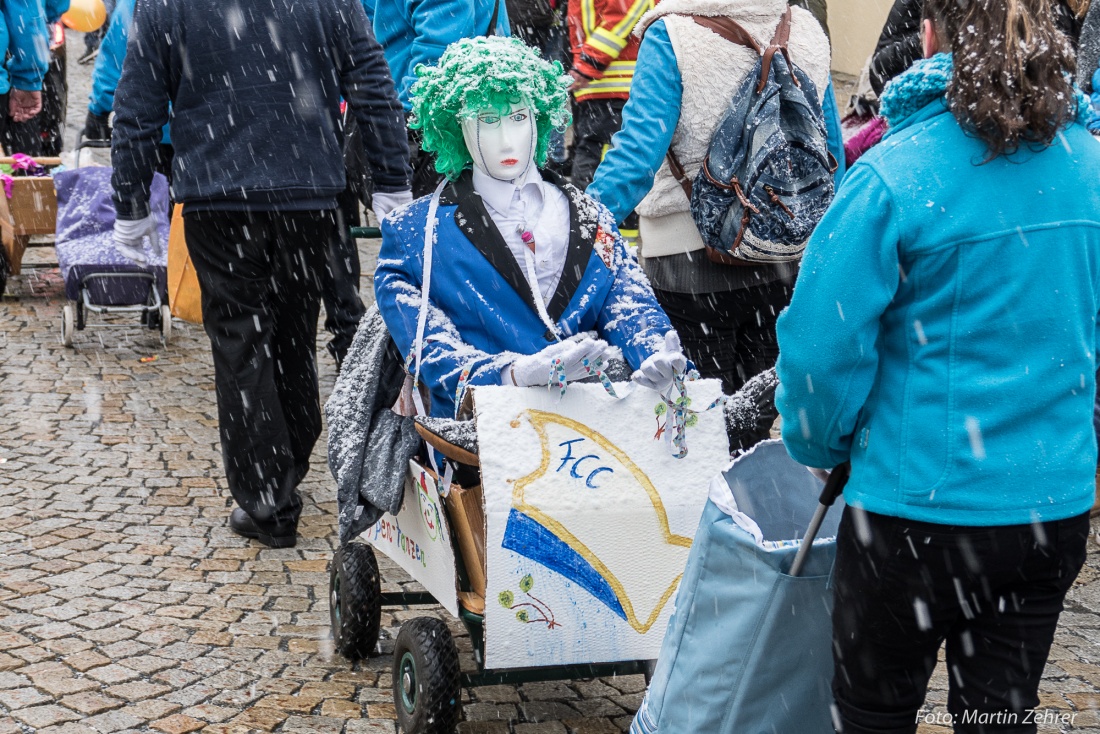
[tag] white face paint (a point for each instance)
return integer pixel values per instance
(502, 146)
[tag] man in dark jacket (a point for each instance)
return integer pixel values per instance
(255, 88)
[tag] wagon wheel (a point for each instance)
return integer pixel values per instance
(426, 687)
(68, 324)
(355, 600)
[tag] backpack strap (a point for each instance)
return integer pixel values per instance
(778, 43)
(730, 30)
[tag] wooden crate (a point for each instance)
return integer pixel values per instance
(32, 210)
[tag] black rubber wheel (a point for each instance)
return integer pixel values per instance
(426, 685)
(355, 600)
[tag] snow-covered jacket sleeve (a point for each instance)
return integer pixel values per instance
(631, 319)
(601, 30)
(649, 119)
(397, 288)
(828, 336)
(28, 43)
(108, 63)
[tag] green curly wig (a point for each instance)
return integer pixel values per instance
(475, 74)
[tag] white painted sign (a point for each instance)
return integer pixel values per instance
(418, 539)
(590, 518)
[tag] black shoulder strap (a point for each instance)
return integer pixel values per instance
(492, 30)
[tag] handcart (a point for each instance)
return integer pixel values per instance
(427, 676)
(98, 279)
(427, 679)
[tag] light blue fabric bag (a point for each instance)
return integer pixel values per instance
(748, 649)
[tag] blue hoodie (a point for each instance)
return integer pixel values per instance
(943, 332)
(414, 32)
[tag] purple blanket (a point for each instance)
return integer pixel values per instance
(85, 222)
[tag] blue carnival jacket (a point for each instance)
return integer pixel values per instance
(649, 120)
(418, 31)
(943, 330)
(482, 315)
(25, 36)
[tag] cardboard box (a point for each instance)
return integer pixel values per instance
(33, 205)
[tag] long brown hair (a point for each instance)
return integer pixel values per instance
(1011, 83)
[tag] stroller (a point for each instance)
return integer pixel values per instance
(97, 278)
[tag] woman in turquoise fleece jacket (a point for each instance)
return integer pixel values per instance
(942, 338)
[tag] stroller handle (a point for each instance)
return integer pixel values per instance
(838, 477)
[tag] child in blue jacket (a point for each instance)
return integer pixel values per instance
(942, 338)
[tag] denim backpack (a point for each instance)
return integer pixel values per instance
(767, 178)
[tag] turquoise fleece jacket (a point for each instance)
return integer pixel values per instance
(943, 331)
(26, 38)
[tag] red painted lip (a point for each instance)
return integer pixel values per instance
(509, 161)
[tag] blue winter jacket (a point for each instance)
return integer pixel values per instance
(649, 120)
(255, 88)
(482, 315)
(416, 32)
(25, 36)
(943, 332)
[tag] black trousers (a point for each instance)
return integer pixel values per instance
(260, 275)
(340, 280)
(595, 122)
(993, 593)
(730, 336)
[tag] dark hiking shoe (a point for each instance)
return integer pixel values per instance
(241, 523)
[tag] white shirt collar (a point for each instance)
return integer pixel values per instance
(498, 194)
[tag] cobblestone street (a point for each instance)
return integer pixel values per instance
(126, 603)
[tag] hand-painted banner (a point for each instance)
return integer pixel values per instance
(589, 518)
(417, 538)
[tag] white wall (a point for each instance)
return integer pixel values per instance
(855, 26)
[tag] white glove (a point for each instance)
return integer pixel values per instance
(534, 369)
(384, 202)
(658, 371)
(129, 234)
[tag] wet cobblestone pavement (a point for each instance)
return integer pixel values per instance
(127, 605)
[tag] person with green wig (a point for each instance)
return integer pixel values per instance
(530, 281)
